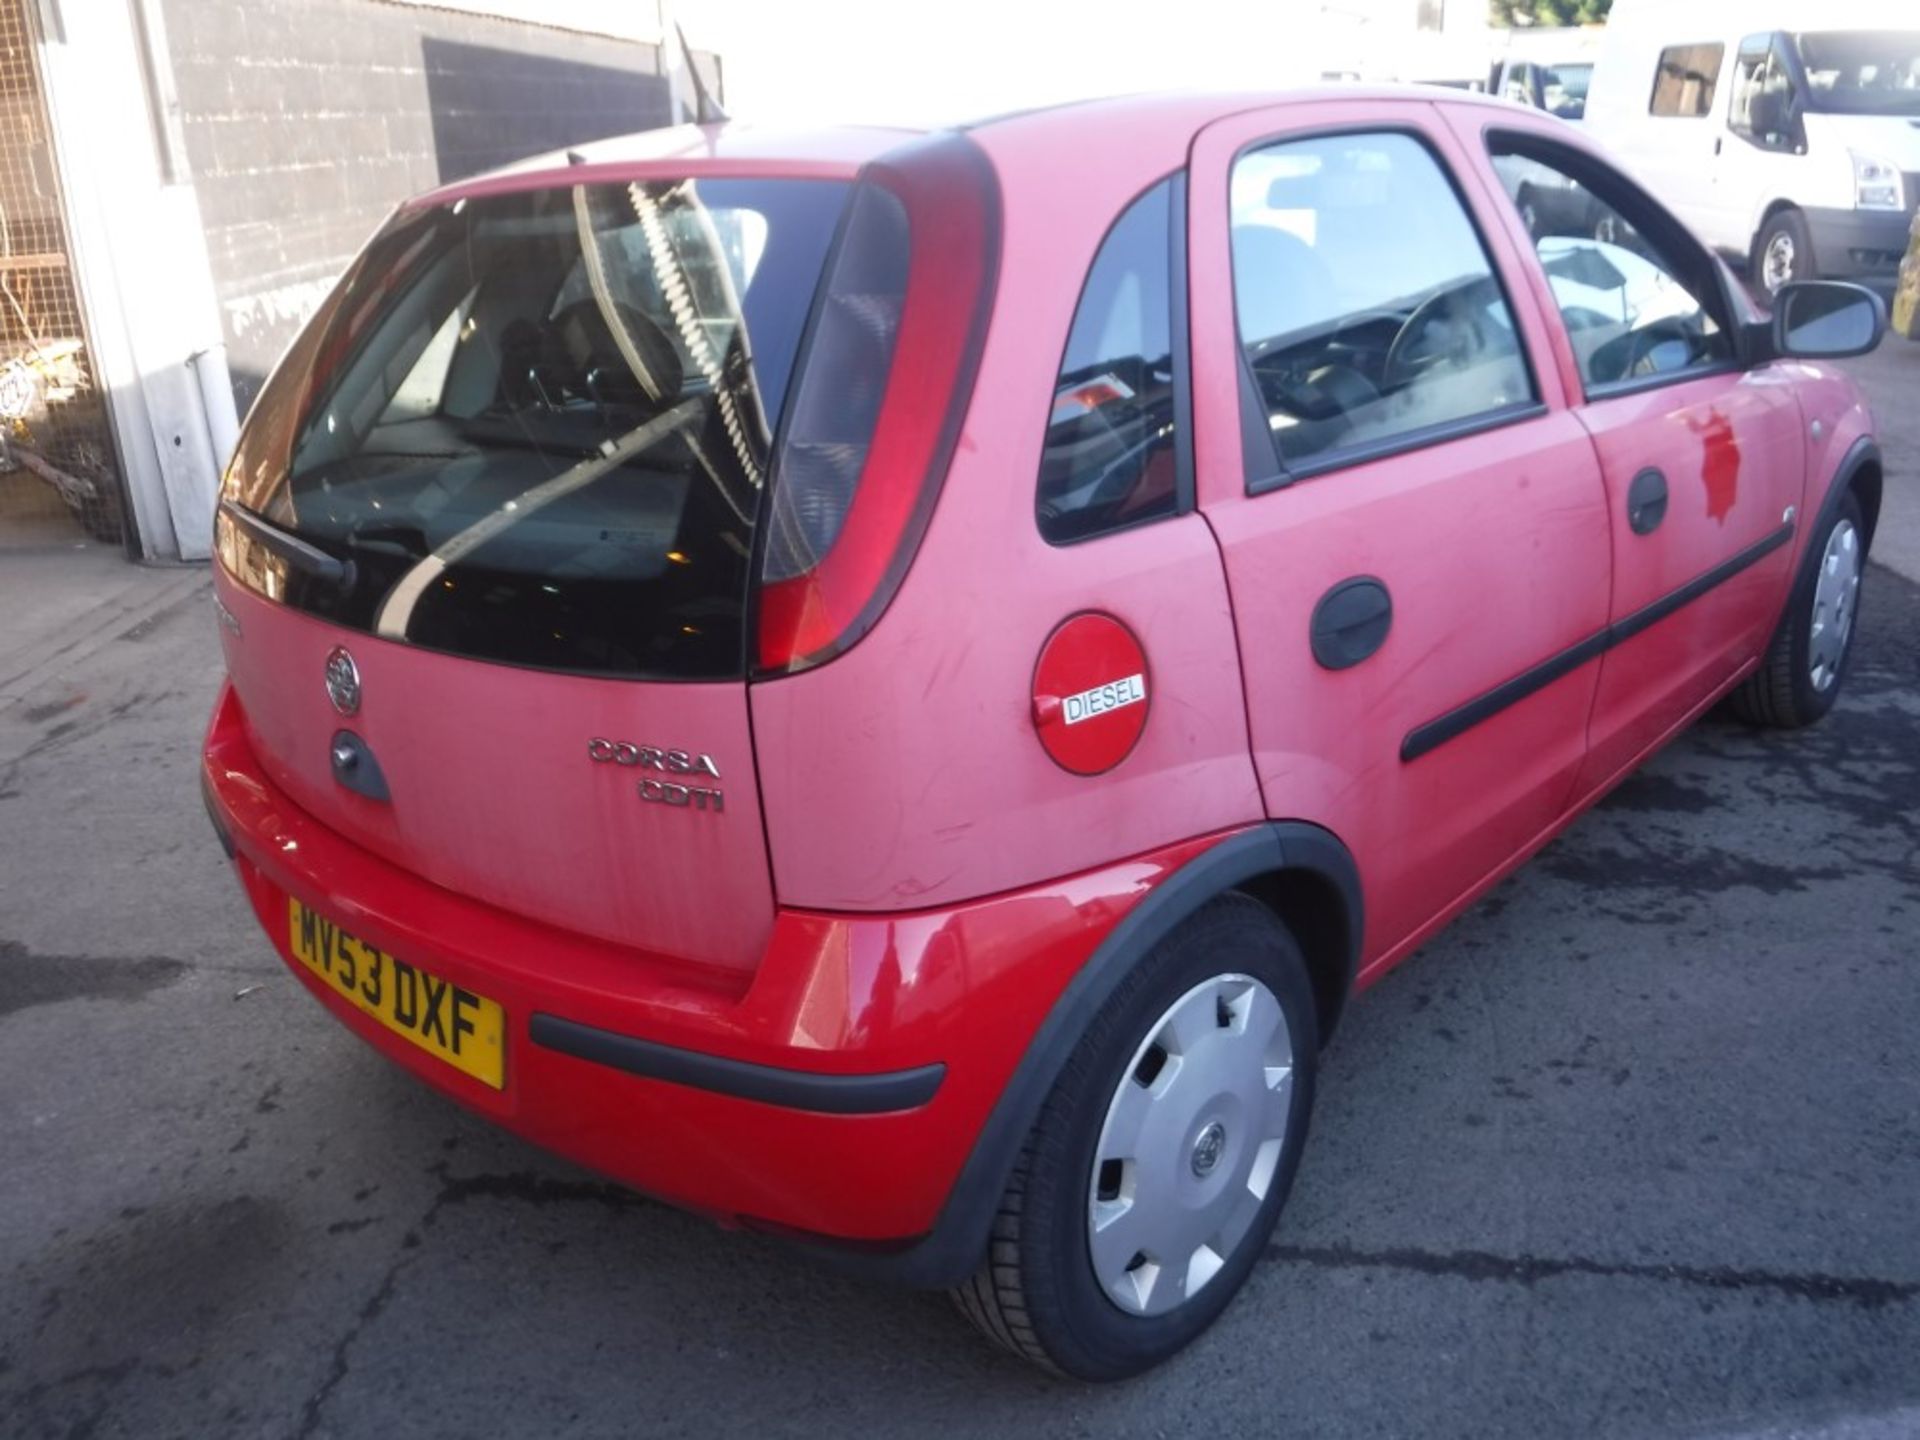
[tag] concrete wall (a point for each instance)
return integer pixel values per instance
(306, 121)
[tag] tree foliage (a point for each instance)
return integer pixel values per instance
(1508, 13)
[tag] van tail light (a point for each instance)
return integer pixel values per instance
(883, 380)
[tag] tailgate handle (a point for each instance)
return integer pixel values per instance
(1351, 622)
(355, 767)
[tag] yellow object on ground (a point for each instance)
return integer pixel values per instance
(1906, 299)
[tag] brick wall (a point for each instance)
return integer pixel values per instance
(306, 121)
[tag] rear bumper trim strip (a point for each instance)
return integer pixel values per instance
(793, 1089)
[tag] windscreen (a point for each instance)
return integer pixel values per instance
(1862, 72)
(533, 428)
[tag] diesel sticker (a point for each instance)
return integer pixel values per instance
(1114, 695)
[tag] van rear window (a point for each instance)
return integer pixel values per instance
(534, 428)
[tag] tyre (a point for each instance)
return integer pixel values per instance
(1782, 251)
(1148, 1187)
(1806, 661)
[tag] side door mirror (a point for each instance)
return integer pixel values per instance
(1826, 320)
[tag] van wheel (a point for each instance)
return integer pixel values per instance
(1782, 251)
(1806, 661)
(1150, 1183)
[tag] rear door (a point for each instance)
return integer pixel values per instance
(1703, 459)
(1412, 522)
(486, 543)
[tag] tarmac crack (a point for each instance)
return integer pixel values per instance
(520, 1185)
(1530, 1270)
(532, 1189)
(337, 1372)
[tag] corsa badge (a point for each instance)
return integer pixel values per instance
(674, 777)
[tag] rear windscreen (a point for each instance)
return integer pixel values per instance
(533, 428)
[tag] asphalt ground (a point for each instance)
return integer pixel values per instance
(1632, 1149)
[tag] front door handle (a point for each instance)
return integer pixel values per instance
(1647, 501)
(1350, 622)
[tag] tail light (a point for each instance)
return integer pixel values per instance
(883, 381)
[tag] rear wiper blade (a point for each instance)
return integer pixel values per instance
(307, 559)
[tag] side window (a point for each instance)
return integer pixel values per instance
(1763, 108)
(1633, 307)
(1684, 83)
(1367, 307)
(1563, 90)
(1108, 459)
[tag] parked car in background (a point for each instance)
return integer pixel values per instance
(888, 688)
(1546, 69)
(1785, 132)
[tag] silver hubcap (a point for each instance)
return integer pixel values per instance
(1776, 266)
(1835, 598)
(1190, 1145)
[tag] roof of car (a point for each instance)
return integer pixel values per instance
(708, 149)
(744, 148)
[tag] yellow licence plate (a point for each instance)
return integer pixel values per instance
(466, 1030)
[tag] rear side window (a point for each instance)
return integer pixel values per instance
(534, 428)
(1683, 84)
(1108, 460)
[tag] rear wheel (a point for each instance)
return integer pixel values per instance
(1806, 661)
(1149, 1186)
(1782, 251)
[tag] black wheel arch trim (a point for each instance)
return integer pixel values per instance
(826, 1094)
(1864, 451)
(952, 1251)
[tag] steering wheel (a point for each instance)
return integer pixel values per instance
(1460, 304)
(1632, 354)
(1642, 345)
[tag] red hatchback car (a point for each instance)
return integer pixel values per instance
(886, 688)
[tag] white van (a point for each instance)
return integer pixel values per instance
(1786, 132)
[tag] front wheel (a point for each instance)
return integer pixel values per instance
(1150, 1183)
(1799, 678)
(1782, 251)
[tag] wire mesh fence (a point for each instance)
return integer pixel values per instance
(56, 450)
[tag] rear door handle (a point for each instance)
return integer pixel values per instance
(1647, 501)
(1351, 622)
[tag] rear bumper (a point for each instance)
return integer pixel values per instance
(835, 1094)
(1859, 244)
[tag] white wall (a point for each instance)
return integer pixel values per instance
(141, 262)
